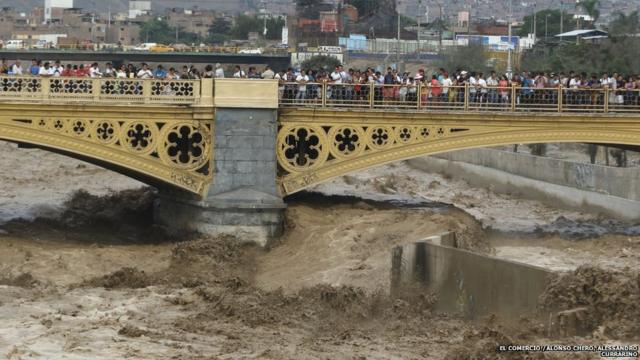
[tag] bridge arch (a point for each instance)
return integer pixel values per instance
(317, 146)
(160, 147)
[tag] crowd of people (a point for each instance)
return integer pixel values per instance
(353, 85)
(442, 87)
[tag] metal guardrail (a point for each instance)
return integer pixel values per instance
(462, 98)
(112, 90)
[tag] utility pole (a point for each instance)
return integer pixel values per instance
(509, 20)
(535, 24)
(398, 42)
(264, 6)
(561, 19)
(440, 28)
(546, 34)
(419, 28)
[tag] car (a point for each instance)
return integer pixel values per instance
(250, 51)
(159, 48)
(144, 47)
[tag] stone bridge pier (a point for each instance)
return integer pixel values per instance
(243, 199)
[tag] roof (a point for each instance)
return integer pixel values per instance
(587, 32)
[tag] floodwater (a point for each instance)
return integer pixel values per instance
(84, 274)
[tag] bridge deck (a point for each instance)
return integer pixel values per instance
(459, 98)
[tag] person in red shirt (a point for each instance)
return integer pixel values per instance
(81, 72)
(436, 89)
(67, 72)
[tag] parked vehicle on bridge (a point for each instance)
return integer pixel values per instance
(250, 51)
(144, 46)
(159, 48)
(14, 44)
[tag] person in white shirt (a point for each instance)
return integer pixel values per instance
(172, 75)
(94, 71)
(45, 70)
(336, 77)
(268, 73)
(219, 74)
(145, 73)
(446, 84)
(302, 79)
(482, 84)
(473, 83)
(238, 73)
(57, 67)
(492, 84)
(109, 71)
(16, 69)
(122, 72)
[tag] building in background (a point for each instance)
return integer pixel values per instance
(53, 9)
(139, 8)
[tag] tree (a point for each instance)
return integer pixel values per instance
(590, 7)
(246, 24)
(552, 22)
(220, 27)
(470, 58)
(624, 25)
(320, 62)
(158, 31)
(365, 7)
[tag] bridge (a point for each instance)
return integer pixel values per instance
(223, 154)
(120, 57)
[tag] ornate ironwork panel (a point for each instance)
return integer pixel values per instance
(177, 152)
(317, 145)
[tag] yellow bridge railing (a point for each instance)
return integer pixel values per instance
(459, 98)
(112, 90)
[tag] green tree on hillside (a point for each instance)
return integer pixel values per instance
(591, 8)
(320, 62)
(158, 31)
(470, 58)
(246, 24)
(625, 25)
(552, 22)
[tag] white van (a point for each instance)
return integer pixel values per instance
(144, 47)
(14, 44)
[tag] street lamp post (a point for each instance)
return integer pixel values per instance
(398, 41)
(419, 28)
(509, 68)
(546, 34)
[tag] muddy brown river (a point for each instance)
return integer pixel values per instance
(85, 275)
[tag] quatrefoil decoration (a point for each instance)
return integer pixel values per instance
(425, 132)
(140, 137)
(79, 127)
(404, 134)
(58, 125)
(185, 146)
(105, 131)
(346, 141)
(380, 137)
(302, 148)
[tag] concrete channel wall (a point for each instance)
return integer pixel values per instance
(608, 190)
(468, 283)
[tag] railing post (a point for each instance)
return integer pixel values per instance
(560, 98)
(323, 88)
(146, 90)
(45, 86)
(206, 91)
(606, 99)
(371, 93)
(96, 89)
(466, 97)
(514, 92)
(419, 93)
